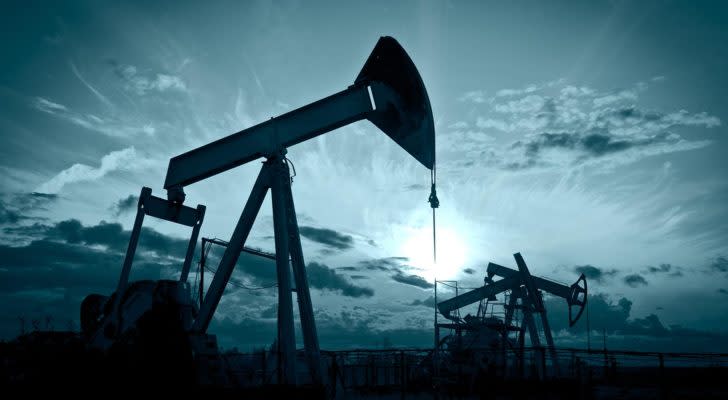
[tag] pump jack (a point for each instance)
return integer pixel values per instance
(524, 287)
(388, 92)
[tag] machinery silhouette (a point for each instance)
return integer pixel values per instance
(485, 332)
(388, 92)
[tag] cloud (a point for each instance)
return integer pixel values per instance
(322, 277)
(270, 312)
(39, 197)
(109, 236)
(528, 89)
(415, 186)
(45, 264)
(558, 125)
(635, 280)
(51, 274)
(617, 97)
(327, 237)
(250, 271)
(722, 291)
(385, 264)
(20, 207)
(649, 325)
(74, 260)
(615, 319)
(124, 205)
(528, 104)
(114, 237)
(9, 216)
(107, 125)
(719, 264)
(49, 106)
(120, 160)
(142, 83)
(585, 148)
(489, 123)
(414, 280)
(93, 90)
(262, 272)
(661, 268)
(475, 96)
(428, 302)
(459, 125)
(594, 273)
(671, 270)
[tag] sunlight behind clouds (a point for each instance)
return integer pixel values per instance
(452, 252)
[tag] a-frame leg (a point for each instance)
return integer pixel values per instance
(522, 347)
(191, 246)
(531, 325)
(232, 252)
(550, 342)
(286, 331)
(507, 322)
(512, 304)
(308, 324)
(100, 338)
(131, 248)
(274, 176)
(532, 332)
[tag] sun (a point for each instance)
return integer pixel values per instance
(451, 252)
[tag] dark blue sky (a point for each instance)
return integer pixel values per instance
(590, 136)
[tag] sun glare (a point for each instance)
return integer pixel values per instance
(451, 253)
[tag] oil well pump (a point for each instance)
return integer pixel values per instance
(522, 294)
(388, 91)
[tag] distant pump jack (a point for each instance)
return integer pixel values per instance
(388, 92)
(525, 296)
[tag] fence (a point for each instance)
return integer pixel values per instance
(409, 370)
